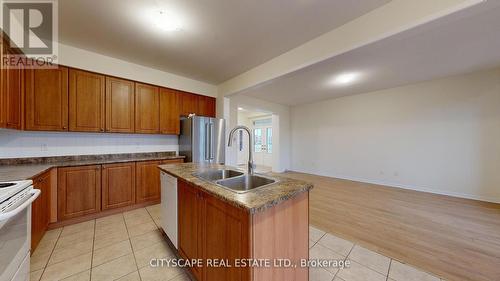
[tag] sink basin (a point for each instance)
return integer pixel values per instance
(214, 175)
(245, 183)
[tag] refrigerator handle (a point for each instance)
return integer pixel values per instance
(212, 141)
(207, 141)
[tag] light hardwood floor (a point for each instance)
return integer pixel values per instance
(456, 239)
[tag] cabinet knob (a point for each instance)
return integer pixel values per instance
(102, 129)
(64, 127)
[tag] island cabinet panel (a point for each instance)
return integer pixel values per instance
(282, 232)
(225, 236)
(40, 209)
(78, 191)
(120, 105)
(169, 112)
(86, 101)
(189, 206)
(188, 103)
(206, 106)
(47, 99)
(147, 109)
(147, 181)
(118, 185)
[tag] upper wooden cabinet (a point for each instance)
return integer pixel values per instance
(47, 99)
(40, 210)
(118, 185)
(206, 106)
(120, 105)
(147, 109)
(78, 191)
(86, 101)
(169, 112)
(188, 103)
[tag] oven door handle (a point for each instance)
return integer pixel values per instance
(34, 194)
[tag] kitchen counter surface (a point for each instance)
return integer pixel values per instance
(28, 168)
(253, 201)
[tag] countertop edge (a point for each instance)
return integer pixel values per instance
(252, 210)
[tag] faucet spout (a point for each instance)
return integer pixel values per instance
(250, 142)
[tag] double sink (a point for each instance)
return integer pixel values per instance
(235, 180)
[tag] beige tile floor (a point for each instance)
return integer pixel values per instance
(119, 247)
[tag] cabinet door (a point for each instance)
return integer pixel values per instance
(189, 224)
(206, 106)
(118, 185)
(3, 77)
(12, 98)
(120, 100)
(188, 103)
(147, 181)
(86, 101)
(40, 209)
(169, 112)
(225, 236)
(47, 99)
(78, 191)
(147, 109)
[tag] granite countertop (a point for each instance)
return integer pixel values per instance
(253, 201)
(28, 168)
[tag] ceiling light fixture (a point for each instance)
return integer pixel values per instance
(346, 78)
(240, 108)
(166, 21)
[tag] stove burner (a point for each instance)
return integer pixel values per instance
(7, 184)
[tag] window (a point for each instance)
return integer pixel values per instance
(269, 139)
(257, 134)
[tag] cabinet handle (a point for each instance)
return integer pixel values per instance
(102, 129)
(64, 127)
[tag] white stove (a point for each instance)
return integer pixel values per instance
(16, 198)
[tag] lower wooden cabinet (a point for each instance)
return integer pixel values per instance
(78, 191)
(147, 183)
(212, 229)
(118, 185)
(40, 209)
(189, 224)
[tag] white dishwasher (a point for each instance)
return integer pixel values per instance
(169, 206)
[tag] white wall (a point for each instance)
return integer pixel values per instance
(281, 127)
(441, 136)
(36, 144)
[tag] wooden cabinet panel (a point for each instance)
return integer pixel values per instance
(189, 224)
(147, 181)
(120, 105)
(40, 209)
(47, 99)
(118, 185)
(188, 103)
(78, 191)
(86, 101)
(172, 161)
(147, 109)
(169, 112)
(225, 236)
(2, 83)
(12, 98)
(206, 106)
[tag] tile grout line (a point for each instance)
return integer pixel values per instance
(131, 247)
(388, 270)
(92, 255)
(51, 252)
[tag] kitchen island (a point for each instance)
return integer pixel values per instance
(259, 234)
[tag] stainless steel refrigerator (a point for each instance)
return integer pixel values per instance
(202, 139)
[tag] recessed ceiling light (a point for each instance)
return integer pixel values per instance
(346, 78)
(166, 21)
(240, 108)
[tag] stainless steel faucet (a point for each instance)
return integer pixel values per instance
(250, 155)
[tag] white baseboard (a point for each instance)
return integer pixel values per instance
(409, 187)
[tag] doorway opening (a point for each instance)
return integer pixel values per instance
(261, 126)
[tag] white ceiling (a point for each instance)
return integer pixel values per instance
(219, 39)
(460, 43)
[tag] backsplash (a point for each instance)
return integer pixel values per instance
(18, 144)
